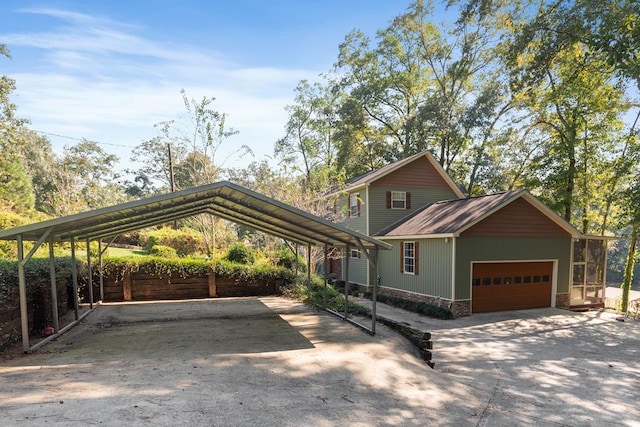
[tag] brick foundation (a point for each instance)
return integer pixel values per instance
(458, 308)
(461, 308)
(562, 301)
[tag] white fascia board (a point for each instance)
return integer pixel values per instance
(417, 236)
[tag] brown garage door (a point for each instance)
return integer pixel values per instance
(511, 286)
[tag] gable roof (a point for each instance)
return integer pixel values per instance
(453, 217)
(369, 177)
(222, 199)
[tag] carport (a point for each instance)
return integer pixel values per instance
(222, 199)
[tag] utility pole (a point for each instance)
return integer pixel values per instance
(171, 178)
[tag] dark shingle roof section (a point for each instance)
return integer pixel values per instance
(448, 217)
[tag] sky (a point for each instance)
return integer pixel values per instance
(109, 70)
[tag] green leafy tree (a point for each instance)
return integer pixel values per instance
(426, 86)
(310, 134)
(84, 179)
(16, 188)
(195, 143)
(571, 97)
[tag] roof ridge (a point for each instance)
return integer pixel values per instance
(479, 197)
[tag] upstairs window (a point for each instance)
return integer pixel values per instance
(355, 254)
(354, 205)
(398, 200)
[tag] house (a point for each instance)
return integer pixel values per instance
(496, 252)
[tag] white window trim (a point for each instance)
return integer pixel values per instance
(353, 205)
(403, 199)
(355, 252)
(404, 258)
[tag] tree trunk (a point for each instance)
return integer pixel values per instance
(571, 175)
(628, 270)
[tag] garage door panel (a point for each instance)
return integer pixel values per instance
(511, 286)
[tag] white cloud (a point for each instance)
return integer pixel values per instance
(105, 81)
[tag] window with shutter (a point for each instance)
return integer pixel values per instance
(398, 200)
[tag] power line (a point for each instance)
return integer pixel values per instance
(82, 139)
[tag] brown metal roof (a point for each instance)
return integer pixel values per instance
(452, 217)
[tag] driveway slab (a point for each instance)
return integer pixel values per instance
(276, 362)
(227, 362)
(542, 366)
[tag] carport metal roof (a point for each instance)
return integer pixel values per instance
(222, 199)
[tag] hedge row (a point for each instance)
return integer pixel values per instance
(186, 267)
(419, 307)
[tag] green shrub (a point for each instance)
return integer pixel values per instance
(185, 242)
(116, 266)
(38, 287)
(241, 254)
(316, 294)
(287, 258)
(419, 307)
(163, 251)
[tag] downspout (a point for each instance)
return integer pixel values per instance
(453, 271)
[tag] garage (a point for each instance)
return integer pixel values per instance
(504, 286)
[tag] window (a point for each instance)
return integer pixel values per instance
(409, 258)
(354, 205)
(587, 285)
(398, 200)
(355, 253)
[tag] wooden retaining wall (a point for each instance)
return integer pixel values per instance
(147, 287)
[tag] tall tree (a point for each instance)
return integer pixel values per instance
(427, 86)
(571, 95)
(195, 142)
(84, 179)
(310, 134)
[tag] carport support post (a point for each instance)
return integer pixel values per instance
(326, 268)
(89, 275)
(100, 266)
(74, 278)
(24, 315)
(54, 288)
(374, 294)
(309, 271)
(346, 280)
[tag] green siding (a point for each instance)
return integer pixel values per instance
(358, 270)
(358, 223)
(434, 268)
(381, 217)
(469, 249)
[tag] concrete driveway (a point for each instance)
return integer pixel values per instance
(226, 362)
(540, 367)
(274, 362)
